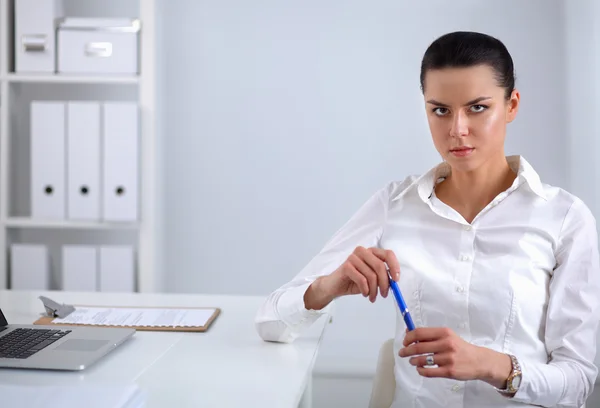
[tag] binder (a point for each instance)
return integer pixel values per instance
(47, 129)
(29, 267)
(83, 160)
(35, 34)
(120, 164)
(79, 268)
(116, 269)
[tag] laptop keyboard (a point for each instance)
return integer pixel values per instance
(23, 343)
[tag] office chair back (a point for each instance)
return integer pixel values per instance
(384, 383)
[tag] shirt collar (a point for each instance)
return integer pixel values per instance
(518, 164)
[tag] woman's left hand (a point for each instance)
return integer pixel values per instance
(455, 358)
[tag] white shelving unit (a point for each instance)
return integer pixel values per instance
(14, 226)
(71, 79)
(24, 222)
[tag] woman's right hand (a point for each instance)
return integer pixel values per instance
(364, 272)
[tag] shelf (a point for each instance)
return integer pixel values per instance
(23, 222)
(71, 79)
(18, 89)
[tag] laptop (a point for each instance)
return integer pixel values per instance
(56, 347)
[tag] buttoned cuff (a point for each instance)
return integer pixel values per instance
(542, 384)
(292, 310)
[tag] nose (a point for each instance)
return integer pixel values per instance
(460, 125)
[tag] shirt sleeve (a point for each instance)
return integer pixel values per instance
(283, 316)
(571, 322)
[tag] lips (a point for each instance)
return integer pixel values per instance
(462, 151)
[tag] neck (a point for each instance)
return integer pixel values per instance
(473, 190)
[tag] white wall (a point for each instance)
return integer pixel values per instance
(280, 119)
(582, 56)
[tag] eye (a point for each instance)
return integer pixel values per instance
(478, 108)
(440, 111)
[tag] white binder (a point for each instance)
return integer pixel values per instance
(83, 160)
(35, 34)
(79, 268)
(120, 165)
(47, 127)
(116, 269)
(29, 267)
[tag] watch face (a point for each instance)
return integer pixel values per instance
(516, 382)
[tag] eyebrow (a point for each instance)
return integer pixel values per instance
(473, 102)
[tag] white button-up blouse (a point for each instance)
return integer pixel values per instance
(522, 278)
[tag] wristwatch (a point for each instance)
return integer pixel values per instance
(514, 379)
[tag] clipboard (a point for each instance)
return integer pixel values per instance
(55, 310)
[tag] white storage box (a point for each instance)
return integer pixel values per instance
(80, 268)
(35, 30)
(29, 267)
(116, 269)
(98, 46)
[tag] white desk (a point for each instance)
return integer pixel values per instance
(227, 366)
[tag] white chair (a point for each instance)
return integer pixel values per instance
(384, 383)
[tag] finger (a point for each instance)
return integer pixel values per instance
(389, 257)
(366, 271)
(427, 347)
(378, 266)
(441, 359)
(362, 254)
(422, 334)
(359, 280)
(431, 372)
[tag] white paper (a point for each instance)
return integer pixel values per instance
(144, 317)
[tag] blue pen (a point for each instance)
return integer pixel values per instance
(400, 300)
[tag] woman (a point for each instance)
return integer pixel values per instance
(500, 271)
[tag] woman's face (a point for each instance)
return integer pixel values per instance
(467, 113)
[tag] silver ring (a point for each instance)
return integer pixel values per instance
(429, 360)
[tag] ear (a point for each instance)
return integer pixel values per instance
(512, 106)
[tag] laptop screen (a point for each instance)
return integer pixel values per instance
(3, 321)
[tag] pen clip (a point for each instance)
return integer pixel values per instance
(55, 309)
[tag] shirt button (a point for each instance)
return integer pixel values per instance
(462, 326)
(465, 257)
(455, 387)
(460, 289)
(467, 227)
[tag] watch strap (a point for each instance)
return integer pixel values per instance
(516, 371)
